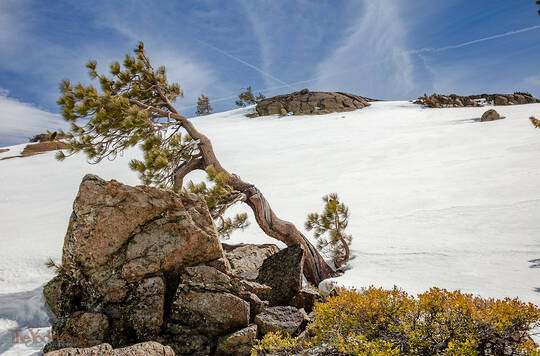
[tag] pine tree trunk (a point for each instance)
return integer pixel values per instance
(345, 258)
(315, 267)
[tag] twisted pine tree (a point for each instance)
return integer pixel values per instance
(329, 229)
(203, 106)
(246, 98)
(135, 106)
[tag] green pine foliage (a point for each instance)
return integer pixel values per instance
(329, 229)
(247, 98)
(161, 158)
(203, 106)
(535, 122)
(133, 106)
(105, 123)
(219, 196)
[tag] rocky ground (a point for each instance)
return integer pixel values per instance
(143, 264)
(453, 100)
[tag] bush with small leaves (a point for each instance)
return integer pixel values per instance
(438, 322)
(275, 344)
(375, 321)
(329, 229)
(535, 122)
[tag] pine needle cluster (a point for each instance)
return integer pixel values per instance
(329, 229)
(219, 196)
(247, 98)
(203, 106)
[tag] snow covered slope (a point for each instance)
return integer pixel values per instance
(436, 197)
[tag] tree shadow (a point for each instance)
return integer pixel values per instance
(473, 120)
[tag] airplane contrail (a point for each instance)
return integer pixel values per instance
(416, 51)
(245, 63)
(510, 33)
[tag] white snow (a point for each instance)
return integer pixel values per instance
(437, 198)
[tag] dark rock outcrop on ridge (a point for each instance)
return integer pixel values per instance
(305, 102)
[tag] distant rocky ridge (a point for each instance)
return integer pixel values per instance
(305, 102)
(37, 148)
(144, 264)
(453, 100)
(42, 143)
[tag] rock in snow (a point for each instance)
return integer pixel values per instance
(490, 115)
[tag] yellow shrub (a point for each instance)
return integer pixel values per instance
(535, 122)
(274, 343)
(376, 321)
(354, 344)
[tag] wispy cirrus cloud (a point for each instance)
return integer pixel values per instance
(374, 55)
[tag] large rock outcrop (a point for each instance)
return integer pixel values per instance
(304, 102)
(453, 100)
(145, 264)
(130, 255)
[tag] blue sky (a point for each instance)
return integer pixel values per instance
(387, 49)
